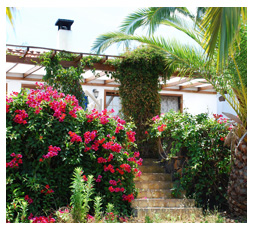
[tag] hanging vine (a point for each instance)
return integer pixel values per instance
(67, 80)
(139, 74)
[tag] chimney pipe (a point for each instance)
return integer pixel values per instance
(64, 36)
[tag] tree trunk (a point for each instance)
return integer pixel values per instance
(237, 188)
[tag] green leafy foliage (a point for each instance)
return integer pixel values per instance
(206, 172)
(81, 195)
(139, 74)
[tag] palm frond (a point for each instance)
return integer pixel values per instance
(151, 17)
(187, 28)
(222, 25)
(10, 12)
(184, 58)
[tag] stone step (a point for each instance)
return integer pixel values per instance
(154, 177)
(151, 169)
(154, 193)
(161, 202)
(166, 212)
(150, 161)
(153, 184)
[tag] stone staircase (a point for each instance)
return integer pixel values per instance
(155, 194)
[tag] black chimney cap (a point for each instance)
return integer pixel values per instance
(64, 24)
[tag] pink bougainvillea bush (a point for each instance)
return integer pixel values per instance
(48, 135)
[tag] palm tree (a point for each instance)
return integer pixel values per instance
(10, 11)
(216, 60)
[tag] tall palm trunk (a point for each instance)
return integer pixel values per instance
(237, 188)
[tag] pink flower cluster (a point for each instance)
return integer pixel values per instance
(115, 147)
(138, 173)
(42, 219)
(119, 120)
(101, 160)
(19, 118)
(98, 179)
(161, 128)
(118, 128)
(90, 218)
(47, 190)
(110, 216)
(156, 118)
(104, 160)
(52, 151)
(117, 189)
(74, 137)
(57, 101)
(28, 199)
(120, 171)
(128, 198)
(114, 183)
(109, 168)
(8, 100)
(126, 167)
(131, 136)
(90, 136)
(15, 161)
(133, 159)
(74, 110)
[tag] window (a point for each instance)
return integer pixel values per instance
(168, 102)
(112, 101)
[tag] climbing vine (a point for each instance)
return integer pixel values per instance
(67, 79)
(139, 74)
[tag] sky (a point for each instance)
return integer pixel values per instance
(35, 26)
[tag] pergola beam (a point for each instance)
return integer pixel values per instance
(108, 81)
(36, 60)
(94, 77)
(12, 68)
(191, 85)
(174, 83)
(205, 87)
(32, 70)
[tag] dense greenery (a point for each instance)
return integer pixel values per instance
(206, 172)
(139, 74)
(67, 79)
(48, 135)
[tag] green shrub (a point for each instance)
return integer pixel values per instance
(48, 135)
(205, 175)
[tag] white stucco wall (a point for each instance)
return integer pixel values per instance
(196, 103)
(13, 86)
(223, 106)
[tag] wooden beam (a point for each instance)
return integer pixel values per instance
(191, 91)
(100, 84)
(34, 61)
(205, 87)
(94, 77)
(32, 70)
(20, 78)
(11, 68)
(174, 83)
(108, 81)
(191, 85)
(27, 49)
(78, 58)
